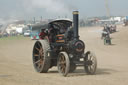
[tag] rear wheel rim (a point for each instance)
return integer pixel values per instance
(38, 56)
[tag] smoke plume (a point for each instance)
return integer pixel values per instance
(49, 6)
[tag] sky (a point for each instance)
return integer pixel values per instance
(26, 9)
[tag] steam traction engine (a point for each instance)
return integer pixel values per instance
(60, 46)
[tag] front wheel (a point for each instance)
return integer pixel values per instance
(63, 63)
(90, 64)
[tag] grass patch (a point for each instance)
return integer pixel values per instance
(12, 38)
(4, 40)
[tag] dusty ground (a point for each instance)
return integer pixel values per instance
(16, 66)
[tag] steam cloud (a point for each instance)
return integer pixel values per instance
(50, 6)
(27, 9)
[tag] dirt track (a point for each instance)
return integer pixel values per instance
(16, 66)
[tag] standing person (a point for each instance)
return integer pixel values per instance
(105, 31)
(106, 35)
(42, 34)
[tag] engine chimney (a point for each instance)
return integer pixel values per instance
(76, 24)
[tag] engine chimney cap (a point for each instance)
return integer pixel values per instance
(75, 12)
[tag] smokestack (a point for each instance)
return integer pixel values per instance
(76, 24)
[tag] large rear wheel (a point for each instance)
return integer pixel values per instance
(41, 60)
(90, 64)
(63, 63)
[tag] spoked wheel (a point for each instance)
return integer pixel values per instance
(63, 63)
(90, 63)
(41, 60)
